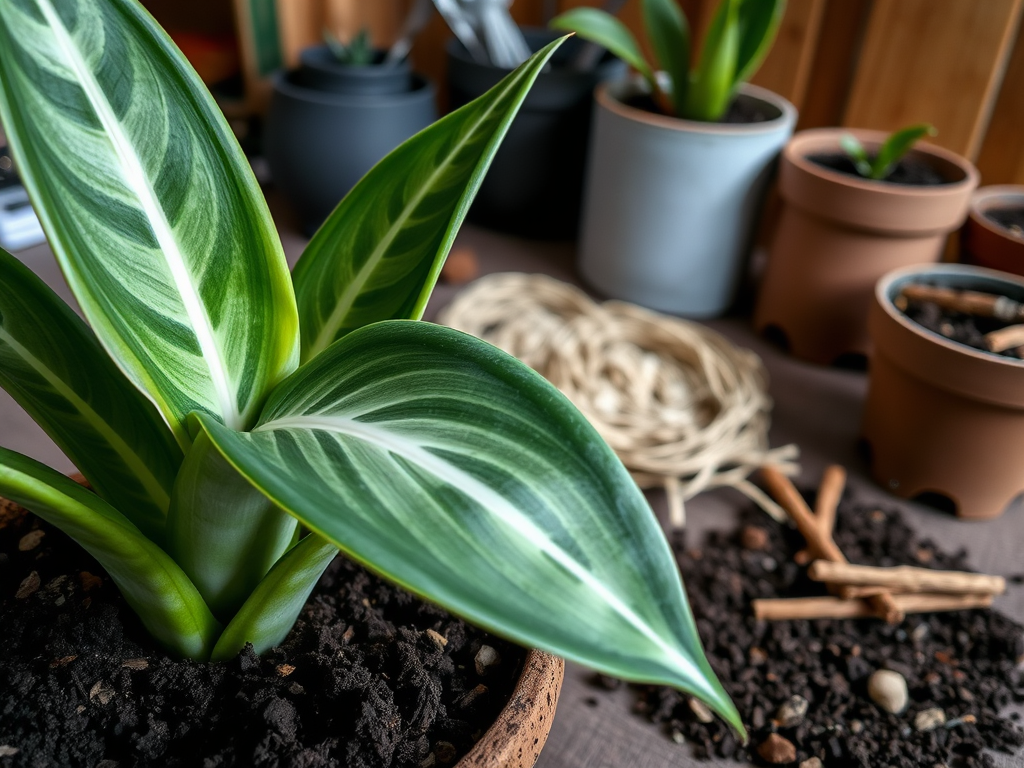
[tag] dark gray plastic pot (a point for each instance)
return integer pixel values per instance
(329, 124)
(535, 183)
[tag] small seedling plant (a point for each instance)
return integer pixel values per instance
(739, 38)
(239, 425)
(357, 52)
(895, 146)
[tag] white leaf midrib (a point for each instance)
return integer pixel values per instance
(489, 500)
(135, 177)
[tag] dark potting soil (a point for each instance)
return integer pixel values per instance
(1008, 218)
(370, 677)
(741, 111)
(963, 662)
(909, 171)
(956, 326)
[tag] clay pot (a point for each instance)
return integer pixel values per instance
(518, 735)
(941, 417)
(986, 243)
(838, 234)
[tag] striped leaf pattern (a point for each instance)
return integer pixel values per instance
(378, 255)
(51, 363)
(149, 204)
(454, 470)
(156, 589)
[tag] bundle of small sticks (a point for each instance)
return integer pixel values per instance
(974, 303)
(861, 590)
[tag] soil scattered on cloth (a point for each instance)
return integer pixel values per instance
(909, 171)
(1008, 218)
(957, 326)
(370, 677)
(802, 686)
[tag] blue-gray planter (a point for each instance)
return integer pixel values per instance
(670, 205)
(326, 128)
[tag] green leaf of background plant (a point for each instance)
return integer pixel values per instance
(669, 33)
(378, 255)
(223, 533)
(156, 589)
(608, 32)
(270, 612)
(51, 363)
(712, 86)
(851, 145)
(149, 205)
(896, 146)
(759, 22)
(454, 470)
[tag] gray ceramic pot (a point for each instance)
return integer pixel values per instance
(670, 205)
(329, 124)
(535, 183)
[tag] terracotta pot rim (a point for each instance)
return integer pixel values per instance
(797, 149)
(986, 198)
(608, 96)
(520, 727)
(882, 290)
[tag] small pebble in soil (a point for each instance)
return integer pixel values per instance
(700, 710)
(812, 762)
(888, 690)
(753, 537)
(792, 712)
(929, 719)
(777, 750)
(485, 658)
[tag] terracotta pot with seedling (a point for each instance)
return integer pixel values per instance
(334, 117)
(240, 425)
(994, 234)
(856, 205)
(944, 418)
(680, 159)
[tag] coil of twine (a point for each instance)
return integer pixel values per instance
(682, 406)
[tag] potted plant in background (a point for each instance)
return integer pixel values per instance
(535, 184)
(679, 160)
(847, 219)
(215, 403)
(994, 234)
(944, 417)
(335, 116)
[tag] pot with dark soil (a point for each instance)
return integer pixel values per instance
(994, 234)
(944, 417)
(370, 677)
(679, 163)
(839, 232)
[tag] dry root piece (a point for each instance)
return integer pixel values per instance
(967, 302)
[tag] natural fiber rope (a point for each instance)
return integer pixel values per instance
(681, 405)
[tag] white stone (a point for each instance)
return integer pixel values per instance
(888, 690)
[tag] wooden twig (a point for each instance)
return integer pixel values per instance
(854, 593)
(907, 578)
(833, 481)
(837, 608)
(968, 302)
(824, 548)
(1005, 338)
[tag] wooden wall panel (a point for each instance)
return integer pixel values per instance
(1002, 155)
(787, 69)
(937, 61)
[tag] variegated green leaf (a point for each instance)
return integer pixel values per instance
(156, 589)
(268, 615)
(223, 533)
(51, 363)
(459, 473)
(378, 255)
(149, 204)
